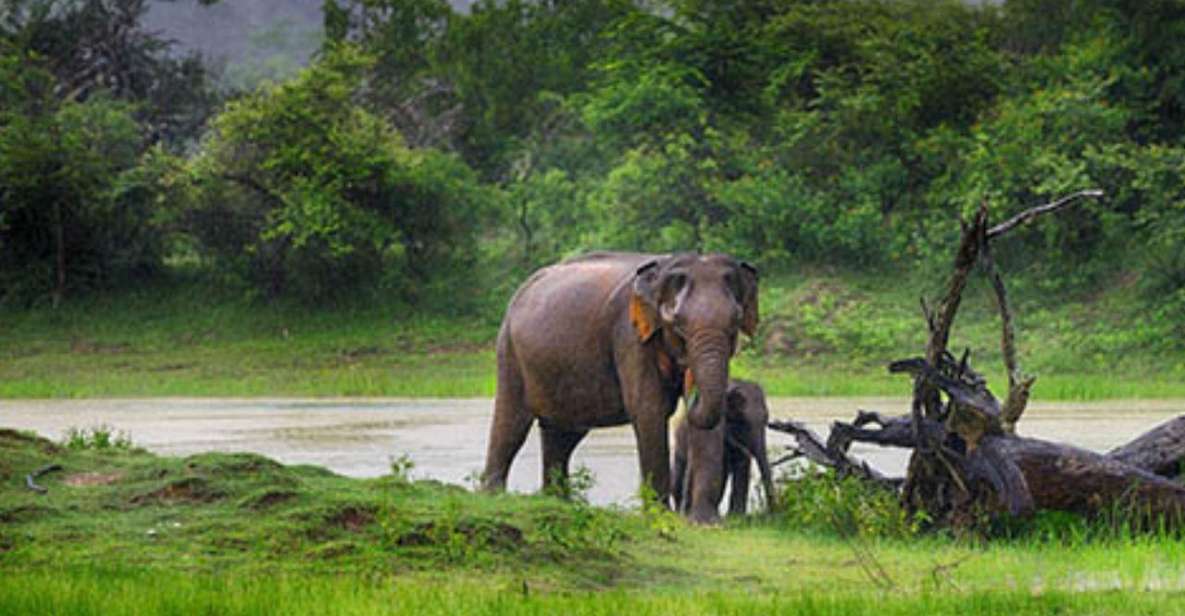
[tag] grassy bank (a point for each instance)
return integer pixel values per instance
(823, 334)
(121, 531)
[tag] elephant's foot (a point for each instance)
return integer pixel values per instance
(702, 517)
(493, 483)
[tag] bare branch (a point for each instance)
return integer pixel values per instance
(1018, 384)
(812, 448)
(1031, 213)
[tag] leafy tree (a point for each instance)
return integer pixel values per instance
(64, 223)
(306, 193)
(100, 47)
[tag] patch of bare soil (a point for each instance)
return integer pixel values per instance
(92, 479)
(351, 518)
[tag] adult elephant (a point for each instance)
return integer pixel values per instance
(608, 339)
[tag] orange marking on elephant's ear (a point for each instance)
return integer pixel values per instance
(688, 383)
(640, 317)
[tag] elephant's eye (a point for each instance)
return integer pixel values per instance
(677, 281)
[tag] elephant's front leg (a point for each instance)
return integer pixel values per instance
(654, 454)
(706, 469)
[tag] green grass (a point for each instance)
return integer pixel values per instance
(115, 594)
(823, 334)
(122, 531)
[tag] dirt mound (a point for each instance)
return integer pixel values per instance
(486, 533)
(186, 489)
(231, 463)
(13, 439)
(352, 518)
(267, 498)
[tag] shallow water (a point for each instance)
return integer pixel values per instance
(446, 438)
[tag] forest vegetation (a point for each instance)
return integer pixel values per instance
(426, 160)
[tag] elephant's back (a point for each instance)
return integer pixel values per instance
(575, 286)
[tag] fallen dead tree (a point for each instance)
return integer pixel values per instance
(967, 460)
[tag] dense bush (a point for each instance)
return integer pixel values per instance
(84, 90)
(69, 216)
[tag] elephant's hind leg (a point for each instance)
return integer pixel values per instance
(558, 445)
(508, 431)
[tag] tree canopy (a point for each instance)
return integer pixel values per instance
(422, 142)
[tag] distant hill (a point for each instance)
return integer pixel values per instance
(234, 30)
(246, 31)
(246, 41)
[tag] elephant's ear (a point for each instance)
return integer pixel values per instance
(644, 301)
(749, 314)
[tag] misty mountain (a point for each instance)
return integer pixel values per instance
(250, 40)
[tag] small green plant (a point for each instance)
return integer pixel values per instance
(100, 437)
(447, 533)
(578, 525)
(575, 486)
(401, 467)
(657, 516)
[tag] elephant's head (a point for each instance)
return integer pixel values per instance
(698, 303)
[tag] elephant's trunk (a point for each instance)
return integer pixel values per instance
(708, 352)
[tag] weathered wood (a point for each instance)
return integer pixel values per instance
(811, 447)
(1160, 450)
(941, 322)
(892, 432)
(1067, 478)
(1019, 385)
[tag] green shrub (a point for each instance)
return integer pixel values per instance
(100, 437)
(822, 501)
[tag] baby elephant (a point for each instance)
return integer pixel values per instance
(705, 459)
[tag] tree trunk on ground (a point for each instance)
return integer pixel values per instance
(1160, 450)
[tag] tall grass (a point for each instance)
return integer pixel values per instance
(100, 593)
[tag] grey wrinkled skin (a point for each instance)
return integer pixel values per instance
(706, 460)
(607, 339)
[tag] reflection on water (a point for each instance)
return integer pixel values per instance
(446, 438)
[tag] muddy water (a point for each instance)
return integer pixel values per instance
(446, 438)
